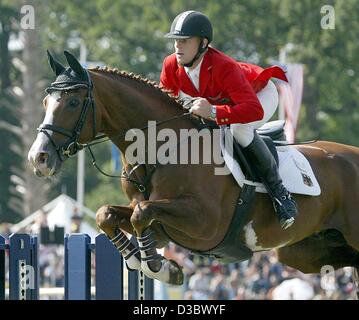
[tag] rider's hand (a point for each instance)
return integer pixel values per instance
(201, 107)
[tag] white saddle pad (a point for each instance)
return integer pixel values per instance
(294, 169)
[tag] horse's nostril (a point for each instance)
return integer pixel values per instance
(42, 157)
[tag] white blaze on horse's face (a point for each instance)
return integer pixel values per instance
(42, 155)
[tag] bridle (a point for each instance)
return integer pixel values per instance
(71, 146)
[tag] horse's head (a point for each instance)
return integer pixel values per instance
(70, 119)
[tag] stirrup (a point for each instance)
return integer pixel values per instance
(286, 223)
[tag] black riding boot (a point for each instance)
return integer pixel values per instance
(258, 153)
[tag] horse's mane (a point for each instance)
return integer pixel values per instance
(140, 79)
(167, 94)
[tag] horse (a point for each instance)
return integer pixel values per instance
(187, 203)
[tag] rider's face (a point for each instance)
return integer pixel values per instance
(186, 49)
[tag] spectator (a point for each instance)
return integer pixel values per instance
(258, 277)
(199, 284)
(218, 288)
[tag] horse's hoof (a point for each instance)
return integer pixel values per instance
(170, 272)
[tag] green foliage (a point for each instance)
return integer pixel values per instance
(11, 163)
(108, 191)
(128, 34)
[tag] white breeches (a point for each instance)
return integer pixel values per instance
(268, 97)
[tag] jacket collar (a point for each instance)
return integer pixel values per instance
(204, 76)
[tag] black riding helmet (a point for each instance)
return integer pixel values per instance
(191, 24)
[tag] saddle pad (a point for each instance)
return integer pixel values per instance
(294, 169)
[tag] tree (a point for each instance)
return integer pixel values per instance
(32, 111)
(330, 105)
(11, 186)
(128, 34)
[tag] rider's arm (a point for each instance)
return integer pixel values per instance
(246, 106)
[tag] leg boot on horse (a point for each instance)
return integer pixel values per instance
(110, 219)
(153, 264)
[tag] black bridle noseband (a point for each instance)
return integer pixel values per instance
(72, 146)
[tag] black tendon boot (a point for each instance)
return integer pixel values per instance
(259, 155)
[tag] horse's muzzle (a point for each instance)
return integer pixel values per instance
(45, 162)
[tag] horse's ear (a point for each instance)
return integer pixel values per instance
(74, 63)
(56, 66)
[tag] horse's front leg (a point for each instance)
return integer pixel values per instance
(181, 214)
(111, 219)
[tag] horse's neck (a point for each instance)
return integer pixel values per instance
(120, 107)
(126, 104)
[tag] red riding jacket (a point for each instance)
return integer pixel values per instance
(229, 85)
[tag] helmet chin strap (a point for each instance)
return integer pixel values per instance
(200, 50)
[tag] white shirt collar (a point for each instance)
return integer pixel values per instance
(196, 70)
(194, 74)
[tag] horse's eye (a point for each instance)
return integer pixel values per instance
(73, 103)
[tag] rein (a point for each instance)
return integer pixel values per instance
(141, 186)
(71, 147)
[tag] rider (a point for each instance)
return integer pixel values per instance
(231, 93)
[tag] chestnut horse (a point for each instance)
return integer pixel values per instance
(188, 204)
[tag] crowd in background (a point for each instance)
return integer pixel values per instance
(261, 277)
